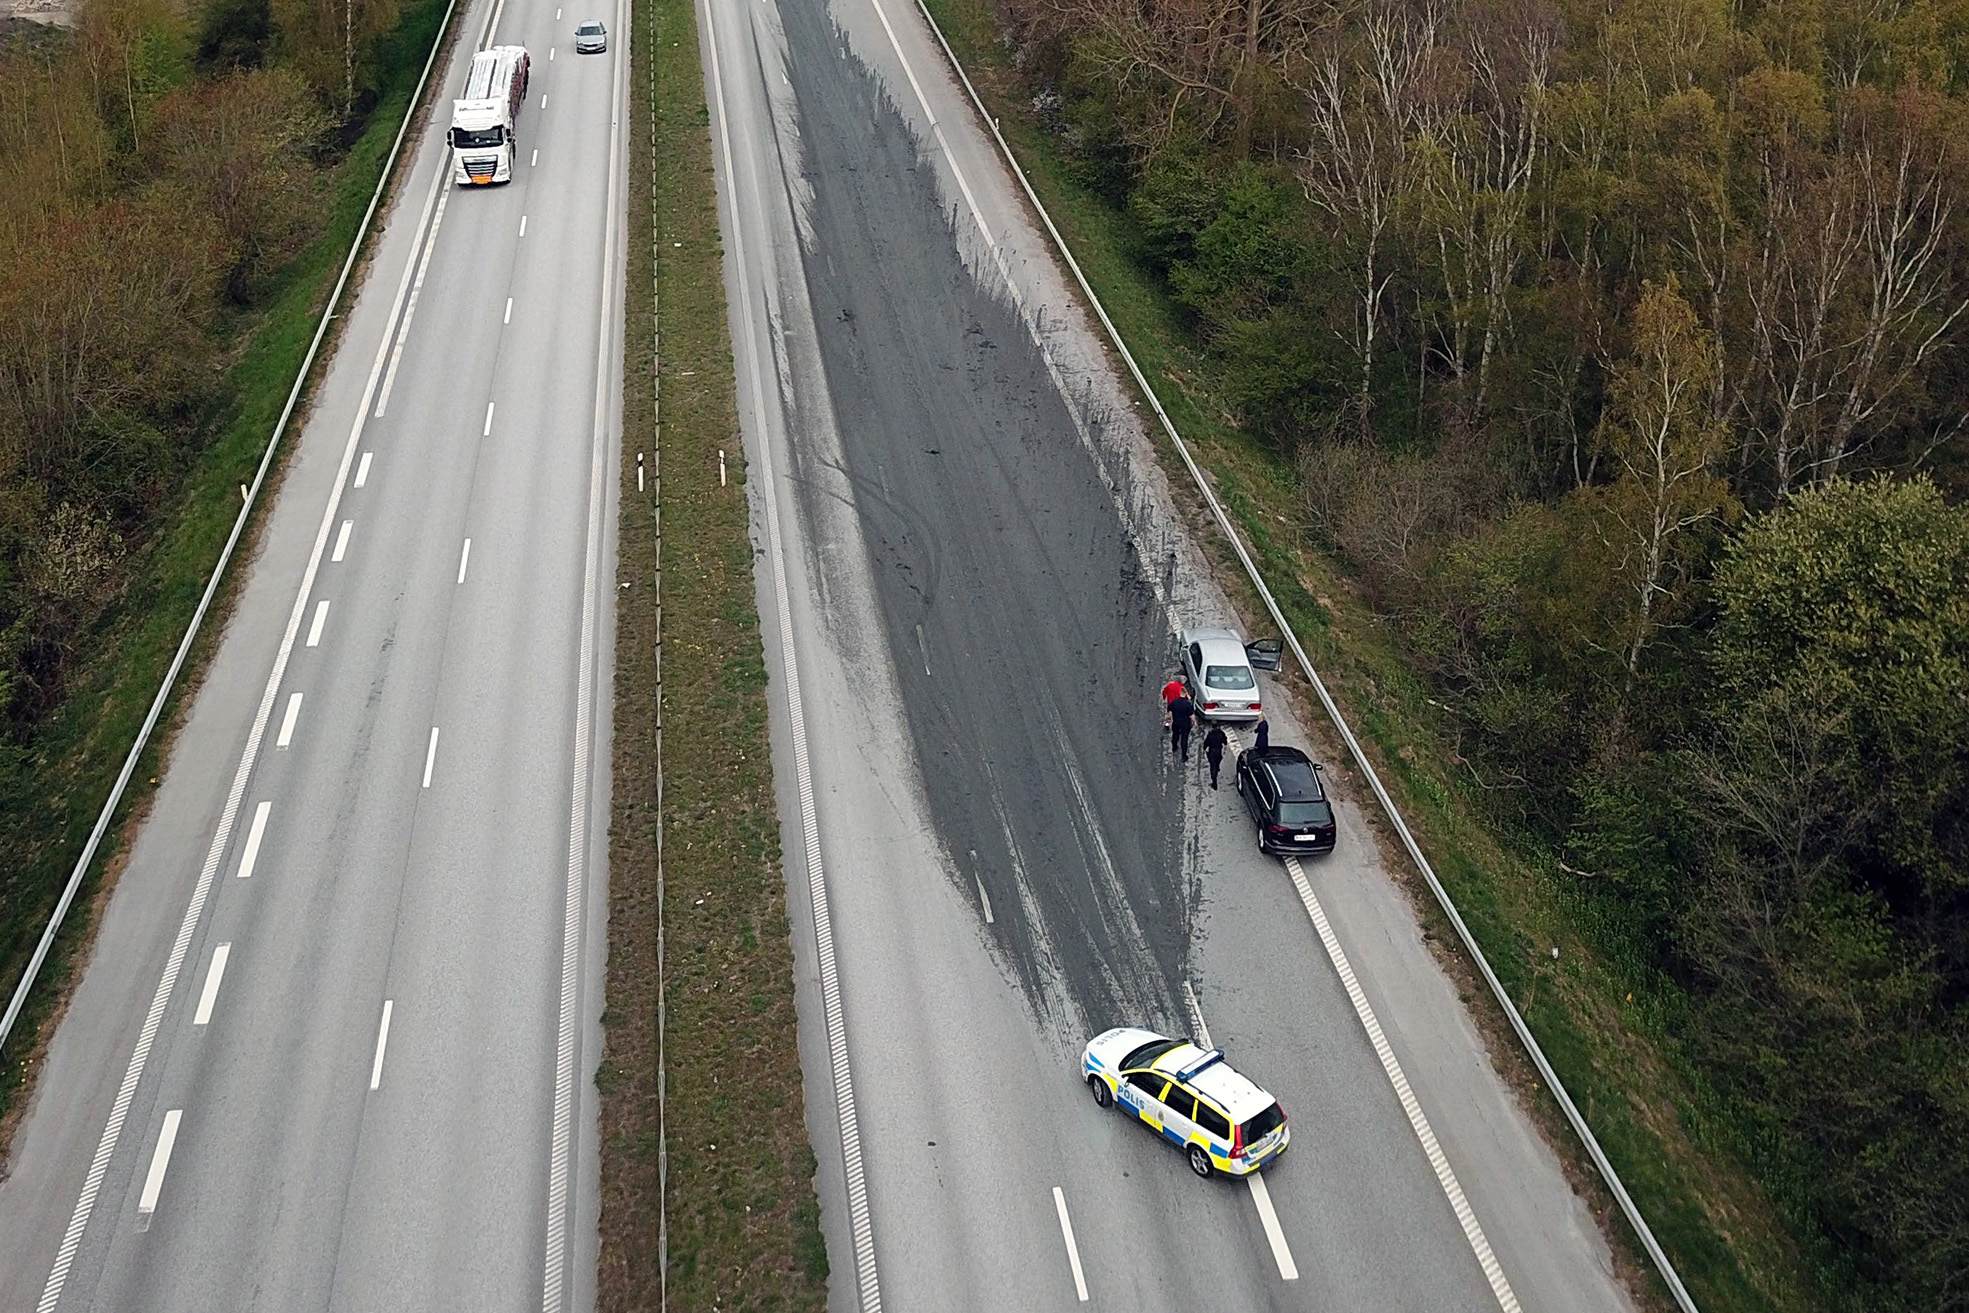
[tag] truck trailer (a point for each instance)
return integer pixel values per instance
(483, 147)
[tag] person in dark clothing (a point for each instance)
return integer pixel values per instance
(1263, 729)
(1182, 712)
(1213, 750)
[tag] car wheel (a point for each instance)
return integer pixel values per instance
(1200, 1161)
(1261, 838)
(1103, 1096)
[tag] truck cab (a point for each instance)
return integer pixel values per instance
(484, 147)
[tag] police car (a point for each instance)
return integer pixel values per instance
(1222, 1121)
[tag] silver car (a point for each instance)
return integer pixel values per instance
(1219, 670)
(590, 38)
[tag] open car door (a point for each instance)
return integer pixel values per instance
(1265, 654)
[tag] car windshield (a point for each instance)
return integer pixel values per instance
(1264, 1123)
(1229, 677)
(1305, 813)
(588, 29)
(465, 140)
(1149, 1052)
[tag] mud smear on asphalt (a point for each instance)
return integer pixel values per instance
(1027, 640)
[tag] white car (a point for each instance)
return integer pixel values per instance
(1222, 1121)
(1219, 672)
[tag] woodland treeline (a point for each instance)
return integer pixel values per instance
(1620, 348)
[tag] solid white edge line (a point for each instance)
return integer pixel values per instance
(213, 975)
(286, 736)
(85, 1204)
(362, 470)
(1073, 1250)
(860, 1225)
(382, 1043)
(1417, 1120)
(430, 756)
(1268, 1216)
(160, 1162)
(342, 540)
(320, 617)
(422, 265)
(560, 1159)
(464, 559)
(251, 855)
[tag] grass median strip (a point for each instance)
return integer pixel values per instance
(706, 1154)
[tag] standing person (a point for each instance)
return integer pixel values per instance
(1172, 689)
(1181, 713)
(1263, 729)
(1213, 749)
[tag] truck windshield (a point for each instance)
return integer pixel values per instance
(464, 140)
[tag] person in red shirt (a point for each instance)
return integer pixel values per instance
(1172, 690)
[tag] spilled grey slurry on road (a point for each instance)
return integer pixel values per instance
(1029, 692)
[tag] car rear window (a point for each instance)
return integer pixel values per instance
(1149, 1052)
(1229, 677)
(1264, 1123)
(1305, 813)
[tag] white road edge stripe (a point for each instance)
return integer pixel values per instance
(160, 1162)
(251, 855)
(421, 264)
(1261, 1194)
(464, 559)
(860, 1226)
(92, 1184)
(1073, 1250)
(287, 721)
(560, 1160)
(213, 975)
(430, 756)
(1507, 1300)
(382, 1043)
(320, 616)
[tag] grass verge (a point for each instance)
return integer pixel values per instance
(1608, 1031)
(693, 807)
(80, 748)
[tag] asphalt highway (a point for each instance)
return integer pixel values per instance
(334, 1047)
(970, 571)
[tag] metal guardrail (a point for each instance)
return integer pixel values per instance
(25, 986)
(1366, 767)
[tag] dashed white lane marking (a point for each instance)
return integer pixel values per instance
(382, 1042)
(160, 1162)
(167, 983)
(543, 100)
(362, 470)
(320, 618)
(422, 264)
(287, 721)
(487, 431)
(1281, 1253)
(213, 975)
(1452, 1189)
(1261, 1195)
(430, 756)
(1073, 1250)
(536, 158)
(342, 541)
(464, 559)
(522, 225)
(983, 898)
(550, 54)
(509, 311)
(253, 837)
(861, 1231)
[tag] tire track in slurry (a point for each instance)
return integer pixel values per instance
(998, 533)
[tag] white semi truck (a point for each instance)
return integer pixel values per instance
(483, 148)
